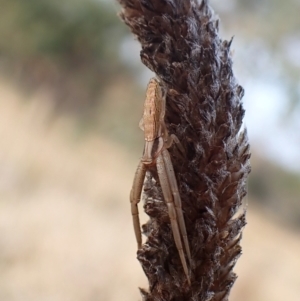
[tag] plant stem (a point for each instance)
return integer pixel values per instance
(180, 43)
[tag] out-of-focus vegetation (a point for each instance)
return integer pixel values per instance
(64, 203)
(71, 50)
(70, 46)
(270, 33)
(276, 189)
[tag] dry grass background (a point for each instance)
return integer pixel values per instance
(65, 223)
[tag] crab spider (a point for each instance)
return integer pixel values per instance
(157, 142)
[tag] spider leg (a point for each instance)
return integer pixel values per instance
(173, 138)
(177, 199)
(135, 197)
(167, 193)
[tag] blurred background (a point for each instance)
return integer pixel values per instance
(71, 94)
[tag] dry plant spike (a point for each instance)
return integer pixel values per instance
(180, 43)
(156, 155)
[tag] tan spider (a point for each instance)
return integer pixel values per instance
(157, 142)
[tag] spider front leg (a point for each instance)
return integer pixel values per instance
(176, 197)
(135, 197)
(172, 198)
